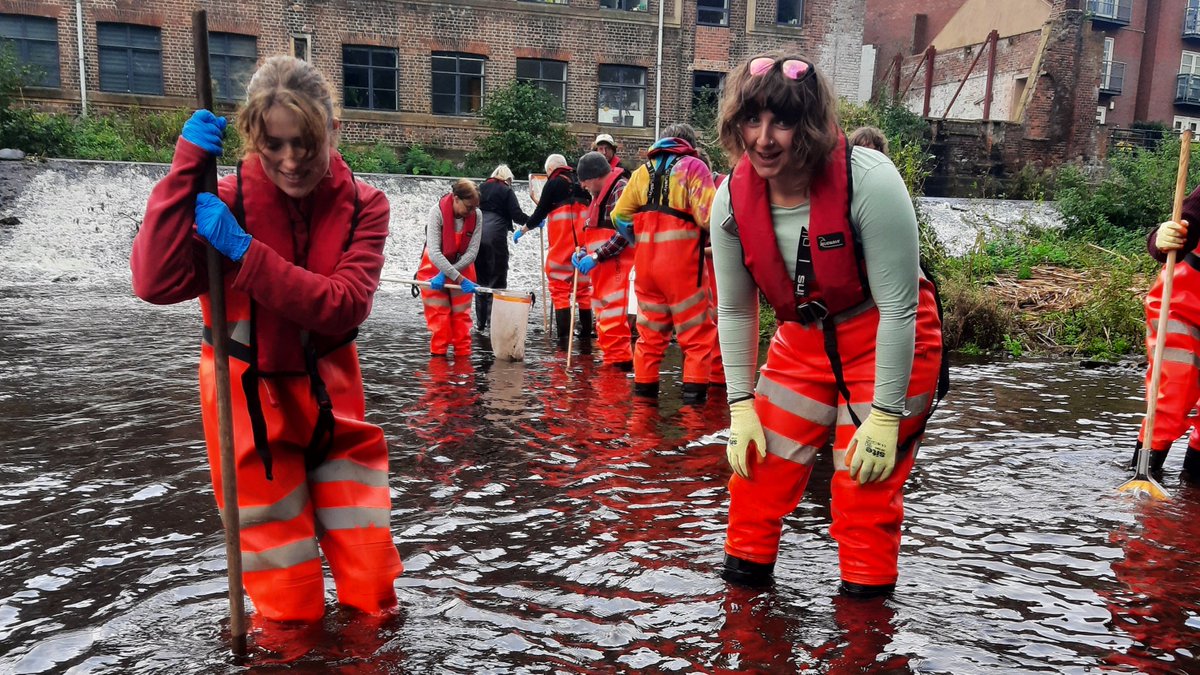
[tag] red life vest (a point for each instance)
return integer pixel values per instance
(455, 244)
(598, 216)
(839, 272)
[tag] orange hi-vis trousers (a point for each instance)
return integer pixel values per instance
(447, 312)
(564, 229)
(610, 290)
(1179, 383)
(717, 374)
(798, 403)
(671, 295)
(342, 503)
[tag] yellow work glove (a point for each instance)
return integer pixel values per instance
(1171, 235)
(871, 454)
(745, 434)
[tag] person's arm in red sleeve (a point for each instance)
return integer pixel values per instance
(168, 259)
(328, 305)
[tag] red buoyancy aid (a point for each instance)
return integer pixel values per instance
(455, 244)
(598, 217)
(840, 281)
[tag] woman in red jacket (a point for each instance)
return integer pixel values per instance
(303, 243)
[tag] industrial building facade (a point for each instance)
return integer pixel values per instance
(418, 71)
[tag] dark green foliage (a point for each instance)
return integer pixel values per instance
(704, 120)
(907, 134)
(1134, 192)
(527, 124)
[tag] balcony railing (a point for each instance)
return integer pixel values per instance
(1112, 77)
(1191, 23)
(1187, 89)
(1115, 12)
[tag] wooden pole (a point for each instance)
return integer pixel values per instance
(220, 339)
(545, 297)
(1142, 481)
(571, 330)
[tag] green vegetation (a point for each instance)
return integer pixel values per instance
(527, 124)
(1076, 297)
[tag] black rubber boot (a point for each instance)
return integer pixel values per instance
(1157, 459)
(1191, 467)
(562, 326)
(649, 389)
(693, 393)
(623, 366)
(865, 590)
(746, 573)
(584, 334)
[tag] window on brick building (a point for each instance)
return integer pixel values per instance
(369, 77)
(712, 12)
(547, 2)
(457, 84)
(302, 46)
(34, 41)
(627, 5)
(705, 87)
(790, 12)
(231, 59)
(621, 100)
(130, 58)
(550, 76)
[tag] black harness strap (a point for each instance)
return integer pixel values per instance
(258, 421)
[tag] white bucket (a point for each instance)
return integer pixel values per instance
(510, 318)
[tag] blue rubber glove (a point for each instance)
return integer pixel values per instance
(206, 131)
(215, 222)
(467, 285)
(517, 235)
(583, 261)
(438, 283)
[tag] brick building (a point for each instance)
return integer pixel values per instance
(417, 71)
(1005, 84)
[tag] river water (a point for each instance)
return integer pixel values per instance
(547, 522)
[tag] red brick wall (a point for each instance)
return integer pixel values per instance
(501, 30)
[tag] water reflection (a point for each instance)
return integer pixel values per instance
(548, 521)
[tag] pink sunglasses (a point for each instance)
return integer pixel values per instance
(793, 69)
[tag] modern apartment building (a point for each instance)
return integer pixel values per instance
(418, 71)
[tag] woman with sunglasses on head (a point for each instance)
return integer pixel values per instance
(826, 232)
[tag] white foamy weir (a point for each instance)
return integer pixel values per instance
(78, 219)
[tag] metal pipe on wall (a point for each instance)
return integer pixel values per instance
(658, 70)
(82, 67)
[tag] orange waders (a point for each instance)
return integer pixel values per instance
(610, 283)
(1179, 383)
(564, 229)
(309, 470)
(670, 288)
(447, 312)
(798, 402)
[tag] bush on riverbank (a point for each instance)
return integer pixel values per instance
(1047, 290)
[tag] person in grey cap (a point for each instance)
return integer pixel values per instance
(607, 260)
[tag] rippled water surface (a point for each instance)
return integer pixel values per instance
(547, 522)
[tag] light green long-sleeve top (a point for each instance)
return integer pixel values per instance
(883, 212)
